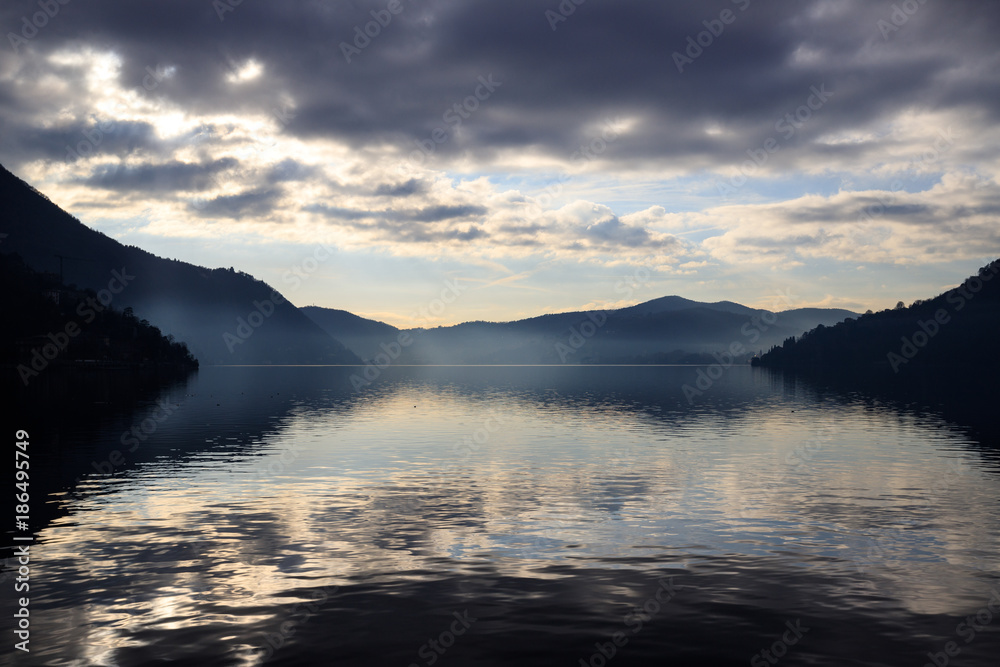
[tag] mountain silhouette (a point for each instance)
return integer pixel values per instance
(669, 304)
(223, 315)
(667, 330)
(56, 326)
(955, 329)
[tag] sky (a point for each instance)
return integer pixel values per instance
(428, 162)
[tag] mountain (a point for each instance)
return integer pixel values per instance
(669, 304)
(956, 329)
(224, 316)
(361, 336)
(57, 326)
(666, 330)
(804, 319)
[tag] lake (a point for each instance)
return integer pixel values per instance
(511, 516)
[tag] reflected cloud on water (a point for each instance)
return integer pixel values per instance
(491, 486)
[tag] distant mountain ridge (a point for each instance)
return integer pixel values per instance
(224, 316)
(355, 332)
(670, 329)
(674, 303)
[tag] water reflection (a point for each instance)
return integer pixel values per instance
(549, 501)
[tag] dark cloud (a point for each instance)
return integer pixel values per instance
(420, 235)
(767, 245)
(289, 170)
(470, 234)
(410, 187)
(159, 177)
(257, 202)
(439, 213)
(338, 212)
(613, 230)
(426, 215)
(522, 229)
(911, 211)
(606, 59)
(961, 212)
(72, 142)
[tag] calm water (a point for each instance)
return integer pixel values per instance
(513, 516)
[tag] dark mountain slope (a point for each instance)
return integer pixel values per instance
(51, 325)
(225, 317)
(957, 329)
(361, 336)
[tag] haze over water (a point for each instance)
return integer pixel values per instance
(550, 505)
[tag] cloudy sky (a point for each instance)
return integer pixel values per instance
(547, 156)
